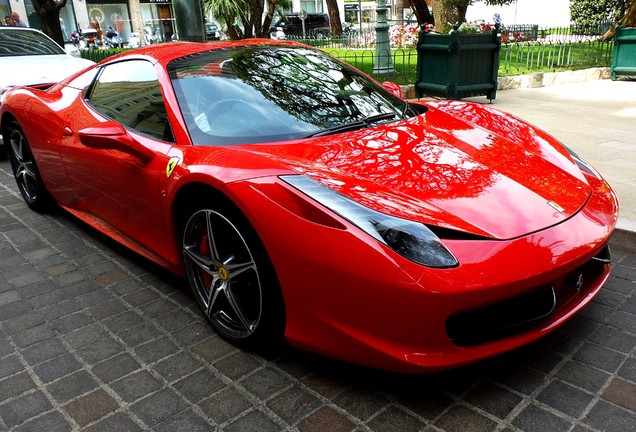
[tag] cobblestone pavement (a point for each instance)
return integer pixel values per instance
(95, 338)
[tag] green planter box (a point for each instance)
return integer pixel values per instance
(624, 57)
(456, 66)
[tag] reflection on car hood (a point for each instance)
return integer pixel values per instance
(503, 180)
(29, 70)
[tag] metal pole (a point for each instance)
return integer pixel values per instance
(383, 62)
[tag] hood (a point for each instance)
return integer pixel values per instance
(29, 70)
(501, 179)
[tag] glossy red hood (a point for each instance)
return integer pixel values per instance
(459, 166)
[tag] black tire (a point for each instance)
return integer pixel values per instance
(25, 170)
(232, 278)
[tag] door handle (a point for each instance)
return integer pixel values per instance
(67, 132)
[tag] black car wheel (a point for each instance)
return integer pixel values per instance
(25, 171)
(232, 278)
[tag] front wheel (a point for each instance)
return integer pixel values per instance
(25, 171)
(232, 278)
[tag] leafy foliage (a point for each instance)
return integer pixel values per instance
(588, 12)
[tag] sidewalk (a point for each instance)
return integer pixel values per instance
(596, 119)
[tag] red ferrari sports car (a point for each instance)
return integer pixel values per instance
(303, 200)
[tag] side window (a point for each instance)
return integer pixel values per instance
(129, 92)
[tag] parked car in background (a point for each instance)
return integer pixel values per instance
(316, 25)
(301, 199)
(212, 31)
(28, 57)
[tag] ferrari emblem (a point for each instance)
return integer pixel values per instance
(223, 273)
(172, 164)
(556, 206)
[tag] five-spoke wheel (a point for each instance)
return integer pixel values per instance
(25, 171)
(229, 276)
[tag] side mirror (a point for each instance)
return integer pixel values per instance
(393, 88)
(111, 135)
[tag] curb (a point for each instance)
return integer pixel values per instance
(535, 80)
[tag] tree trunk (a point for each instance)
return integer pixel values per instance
(334, 18)
(421, 11)
(48, 12)
(629, 20)
(447, 15)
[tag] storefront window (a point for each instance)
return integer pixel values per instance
(311, 5)
(67, 18)
(158, 21)
(4, 10)
(107, 16)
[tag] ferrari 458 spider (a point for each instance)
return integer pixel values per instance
(302, 199)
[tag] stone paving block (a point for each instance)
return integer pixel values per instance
(57, 368)
(177, 366)
(107, 309)
(462, 419)
(566, 398)
(608, 417)
(294, 404)
(198, 385)
(185, 421)
(583, 376)
(124, 321)
(50, 422)
(599, 357)
(68, 323)
(628, 369)
(265, 382)
(254, 420)
(9, 365)
(622, 393)
(158, 407)
(100, 350)
(85, 336)
(71, 386)
(225, 405)
(536, 419)
(15, 384)
(120, 422)
(91, 407)
(362, 402)
(23, 408)
(213, 349)
(43, 351)
(394, 418)
(33, 335)
(156, 350)
(494, 399)
(237, 364)
(115, 367)
(136, 385)
(326, 418)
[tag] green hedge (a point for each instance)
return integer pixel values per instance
(98, 55)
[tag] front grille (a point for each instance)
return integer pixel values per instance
(519, 314)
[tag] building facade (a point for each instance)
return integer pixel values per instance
(151, 20)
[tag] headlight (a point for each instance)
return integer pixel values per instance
(410, 239)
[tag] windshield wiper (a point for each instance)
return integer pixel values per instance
(354, 125)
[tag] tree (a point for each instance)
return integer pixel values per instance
(423, 15)
(446, 13)
(334, 18)
(48, 12)
(591, 12)
(254, 16)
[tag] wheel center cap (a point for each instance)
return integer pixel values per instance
(223, 273)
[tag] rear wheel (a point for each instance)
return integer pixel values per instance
(232, 278)
(25, 170)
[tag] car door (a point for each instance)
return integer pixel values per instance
(115, 150)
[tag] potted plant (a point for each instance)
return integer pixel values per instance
(460, 64)
(624, 56)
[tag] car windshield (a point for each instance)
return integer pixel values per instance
(18, 42)
(273, 93)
